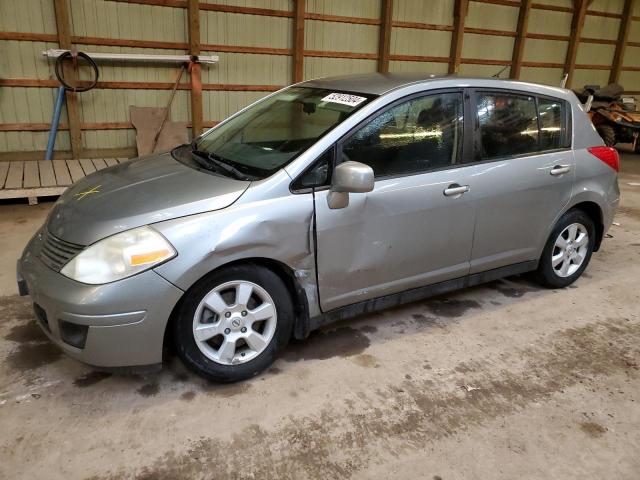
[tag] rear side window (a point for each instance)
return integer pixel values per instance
(517, 124)
(508, 125)
(551, 124)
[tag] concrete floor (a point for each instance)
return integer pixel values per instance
(501, 381)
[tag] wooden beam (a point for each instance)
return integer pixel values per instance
(63, 26)
(459, 14)
(341, 19)
(577, 23)
(521, 37)
(423, 26)
(384, 43)
(193, 22)
(623, 38)
(298, 41)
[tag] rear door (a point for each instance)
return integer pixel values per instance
(414, 228)
(524, 177)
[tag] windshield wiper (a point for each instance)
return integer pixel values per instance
(219, 164)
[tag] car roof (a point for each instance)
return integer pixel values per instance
(381, 83)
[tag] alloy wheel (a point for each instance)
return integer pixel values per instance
(570, 250)
(234, 322)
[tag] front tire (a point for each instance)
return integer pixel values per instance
(567, 251)
(233, 323)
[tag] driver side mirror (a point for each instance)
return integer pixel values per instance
(349, 177)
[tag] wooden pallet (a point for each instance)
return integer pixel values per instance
(43, 178)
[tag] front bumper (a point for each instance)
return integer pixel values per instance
(122, 323)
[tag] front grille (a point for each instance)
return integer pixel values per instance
(55, 253)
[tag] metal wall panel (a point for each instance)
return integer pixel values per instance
(33, 16)
(439, 12)
(120, 20)
(411, 41)
(340, 37)
(351, 8)
(315, 67)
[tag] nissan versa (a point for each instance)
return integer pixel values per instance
(324, 200)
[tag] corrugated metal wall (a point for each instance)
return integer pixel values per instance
(341, 37)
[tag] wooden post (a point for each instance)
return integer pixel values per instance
(521, 35)
(63, 26)
(459, 15)
(577, 23)
(298, 41)
(384, 45)
(193, 21)
(623, 37)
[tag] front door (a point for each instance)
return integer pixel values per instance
(416, 226)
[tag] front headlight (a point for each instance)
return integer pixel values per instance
(119, 256)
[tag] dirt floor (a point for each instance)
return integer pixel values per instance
(501, 381)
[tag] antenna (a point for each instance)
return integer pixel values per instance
(563, 82)
(497, 75)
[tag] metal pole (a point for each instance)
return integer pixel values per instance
(53, 131)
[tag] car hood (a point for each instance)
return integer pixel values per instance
(138, 192)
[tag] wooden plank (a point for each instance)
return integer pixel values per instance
(27, 36)
(14, 177)
(521, 36)
(193, 25)
(4, 169)
(459, 15)
(577, 23)
(342, 19)
(62, 172)
(47, 176)
(384, 42)
(99, 163)
(623, 38)
(87, 166)
(31, 192)
(110, 162)
(121, 159)
(75, 170)
(298, 41)
(31, 175)
(267, 12)
(423, 26)
(63, 27)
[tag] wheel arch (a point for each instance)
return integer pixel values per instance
(594, 212)
(286, 274)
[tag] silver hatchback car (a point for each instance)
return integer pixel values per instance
(322, 201)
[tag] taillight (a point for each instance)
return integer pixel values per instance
(608, 155)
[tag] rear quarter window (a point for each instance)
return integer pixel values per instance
(516, 124)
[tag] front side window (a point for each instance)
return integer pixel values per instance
(508, 125)
(412, 137)
(270, 134)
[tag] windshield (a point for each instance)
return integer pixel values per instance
(270, 134)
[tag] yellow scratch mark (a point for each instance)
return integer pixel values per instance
(81, 195)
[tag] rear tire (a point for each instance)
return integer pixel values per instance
(567, 251)
(233, 323)
(608, 134)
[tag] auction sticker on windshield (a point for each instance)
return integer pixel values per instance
(344, 99)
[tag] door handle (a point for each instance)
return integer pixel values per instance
(560, 169)
(455, 190)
